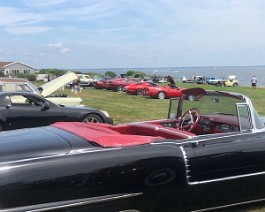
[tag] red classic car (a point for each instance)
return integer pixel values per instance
(139, 87)
(99, 84)
(162, 92)
(118, 84)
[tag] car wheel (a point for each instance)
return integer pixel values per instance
(92, 118)
(219, 84)
(161, 95)
(235, 85)
(192, 98)
(120, 88)
(139, 92)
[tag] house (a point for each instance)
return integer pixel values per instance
(15, 68)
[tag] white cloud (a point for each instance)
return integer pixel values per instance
(57, 45)
(26, 29)
(12, 15)
(60, 47)
(65, 50)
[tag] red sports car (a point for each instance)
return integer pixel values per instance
(162, 92)
(118, 84)
(99, 84)
(139, 87)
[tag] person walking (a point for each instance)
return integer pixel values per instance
(254, 82)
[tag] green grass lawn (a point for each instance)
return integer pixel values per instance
(129, 108)
(124, 108)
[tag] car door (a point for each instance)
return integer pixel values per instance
(173, 91)
(223, 169)
(230, 168)
(31, 111)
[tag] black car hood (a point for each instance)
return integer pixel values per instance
(77, 107)
(31, 143)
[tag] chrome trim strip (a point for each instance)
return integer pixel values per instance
(187, 170)
(208, 138)
(167, 141)
(230, 205)
(226, 178)
(71, 203)
(188, 176)
(83, 151)
(71, 152)
(199, 138)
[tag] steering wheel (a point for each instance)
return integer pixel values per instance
(192, 116)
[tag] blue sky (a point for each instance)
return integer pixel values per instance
(132, 33)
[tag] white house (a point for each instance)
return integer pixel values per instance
(15, 68)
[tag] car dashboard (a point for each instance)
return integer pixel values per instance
(210, 124)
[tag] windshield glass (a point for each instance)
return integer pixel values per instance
(33, 87)
(209, 112)
(213, 104)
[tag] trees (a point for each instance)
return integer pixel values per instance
(110, 74)
(52, 71)
(139, 74)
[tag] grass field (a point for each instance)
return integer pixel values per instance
(124, 108)
(129, 108)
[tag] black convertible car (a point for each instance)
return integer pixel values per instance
(207, 154)
(23, 110)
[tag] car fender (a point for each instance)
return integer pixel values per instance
(96, 172)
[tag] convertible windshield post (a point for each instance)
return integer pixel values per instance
(173, 108)
(258, 123)
(244, 117)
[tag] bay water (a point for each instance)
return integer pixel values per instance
(243, 73)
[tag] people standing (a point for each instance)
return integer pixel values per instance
(76, 87)
(204, 80)
(254, 82)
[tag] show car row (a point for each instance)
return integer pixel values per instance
(138, 86)
(207, 154)
(229, 81)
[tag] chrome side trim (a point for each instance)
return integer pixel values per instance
(187, 167)
(188, 176)
(71, 203)
(71, 152)
(228, 178)
(230, 205)
(170, 141)
(198, 139)
(203, 138)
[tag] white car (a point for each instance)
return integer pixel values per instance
(19, 85)
(231, 81)
(184, 79)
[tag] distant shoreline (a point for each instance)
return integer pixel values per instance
(243, 73)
